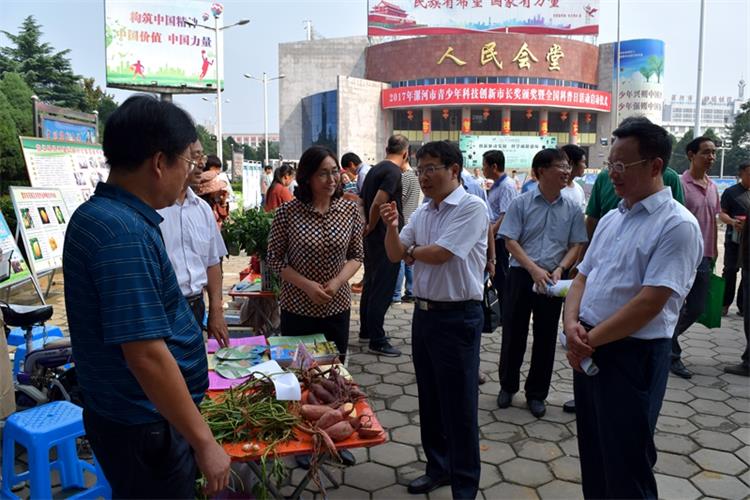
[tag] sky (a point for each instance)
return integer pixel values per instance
(253, 48)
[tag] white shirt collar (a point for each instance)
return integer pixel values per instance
(452, 199)
(651, 203)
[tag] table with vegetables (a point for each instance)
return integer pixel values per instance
(261, 412)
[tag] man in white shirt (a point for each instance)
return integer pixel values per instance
(195, 248)
(446, 240)
(577, 161)
(622, 310)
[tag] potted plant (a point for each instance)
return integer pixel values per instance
(249, 231)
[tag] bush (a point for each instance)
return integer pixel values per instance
(10, 215)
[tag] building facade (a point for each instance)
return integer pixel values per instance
(717, 113)
(254, 140)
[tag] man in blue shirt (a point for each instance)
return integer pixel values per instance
(139, 353)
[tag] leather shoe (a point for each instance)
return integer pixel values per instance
(569, 406)
(425, 484)
(743, 369)
(536, 407)
(504, 399)
(679, 369)
(482, 378)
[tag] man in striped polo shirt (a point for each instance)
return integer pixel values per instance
(139, 353)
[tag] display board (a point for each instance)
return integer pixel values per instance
(641, 78)
(42, 219)
(518, 150)
(19, 270)
(445, 17)
(149, 45)
(251, 172)
(74, 168)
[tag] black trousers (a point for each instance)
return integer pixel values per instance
(729, 273)
(377, 291)
(746, 317)
(616, 413)
(198, 306)
(694, 304)
(142, 461)
(518, 305)
(501, 268)
(335, 328)
(445, 351)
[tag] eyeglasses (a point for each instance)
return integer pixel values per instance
(333, 174)
(565, 167)
(200, 157)
(620, 167)
(428, 169)
(192, 163)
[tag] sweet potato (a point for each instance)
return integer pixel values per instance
(314, 412)
(329, 418)
(311, 399)
(329, 385)
(322, 394)
(340, 431)
(368, 432)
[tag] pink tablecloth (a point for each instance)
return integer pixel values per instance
(219, 383)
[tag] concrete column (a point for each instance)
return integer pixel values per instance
(573, 135)
(505, 122)
(466, 120)
(543, 122)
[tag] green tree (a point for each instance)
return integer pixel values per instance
(47, 72)
(656, 65)
(646, 72)
(680, 160)
(98, 100)
(208, 140)
(19, 95)
(739, 134)
(11, 159)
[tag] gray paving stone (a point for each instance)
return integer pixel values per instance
(513, 415)
(411, 390)
(718, 461)
(675, 465)
(716, 440)
(393, 454)
(711, 407)
(385, 390)
(489, 476)
(399, 378)
(408, 434)
(370, 476)
(570, 446)
(675, 488)
(500, 431)
(410, 472)
(742, 434)
(679, 410)
(347, 493)
(675, 425)
(745, 477)
(537, 449)
(369, 379)
(674, 443)
(678, 396)
(526, 472)
(405, 404)
(396, 492)
(714, 423)
(547, 430)
(567, 469)
(495, 452)
(719, 485)
(740, 418)
(739, 404)
(374, 366)
(744, 454)
(561, 490)
(391, 419)
(510, 491)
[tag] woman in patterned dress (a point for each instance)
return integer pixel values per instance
(316, 247)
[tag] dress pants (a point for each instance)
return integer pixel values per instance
(746, 317)
(520, 301)
(334, 327)
(502, 258)
(377, 291)
(729, 273)
(616, 413)
(694, 304)
(445, 351)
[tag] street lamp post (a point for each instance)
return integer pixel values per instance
(265, 81)
(216, 10)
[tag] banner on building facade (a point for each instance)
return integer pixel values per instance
(495, 94)
(518, 150)
(444, 17)
(150, 45)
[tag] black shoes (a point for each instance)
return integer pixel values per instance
(426, 484)
(679, 369)
(504, 399)
(536, 407)
(407, 298)
(385, 350)
(569, 406)
(743, 369)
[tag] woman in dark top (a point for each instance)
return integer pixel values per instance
(278, 192)
(316, 246)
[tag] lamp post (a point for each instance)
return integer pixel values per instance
(216, 10)
(265, 81)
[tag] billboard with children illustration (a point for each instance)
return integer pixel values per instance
(149, 44)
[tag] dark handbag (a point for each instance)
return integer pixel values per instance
(491, 308)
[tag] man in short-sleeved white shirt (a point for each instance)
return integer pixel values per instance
(195, 249)
(621, 311)
(446, 239)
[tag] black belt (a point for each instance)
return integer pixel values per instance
(585, 325)
(192, 300)
(436, 305)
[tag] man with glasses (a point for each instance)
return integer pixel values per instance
(622, 310)
(195, 248)
(543, 233)
(446, 241)
(382, 185)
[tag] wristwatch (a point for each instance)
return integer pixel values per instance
(410, 251)
(492, 261)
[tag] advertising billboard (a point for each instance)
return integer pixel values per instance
(19, 270)
(518, 150)
(641, 78)
(445, 17)
(149, 45)
(59, 130)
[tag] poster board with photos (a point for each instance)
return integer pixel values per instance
(19, 269)
(42, 220)
(74, 168)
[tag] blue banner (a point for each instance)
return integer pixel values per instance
(56, 130)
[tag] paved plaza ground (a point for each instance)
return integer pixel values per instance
(703, 434)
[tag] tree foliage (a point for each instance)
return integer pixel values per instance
(11, 160)
(680, 161)
(18, 95)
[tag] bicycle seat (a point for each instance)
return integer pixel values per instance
(25, 316)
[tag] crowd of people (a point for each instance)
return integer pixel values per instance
(140, 253)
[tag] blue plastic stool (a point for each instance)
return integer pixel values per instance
(39, 429)
(16, 336)
(20, 355)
